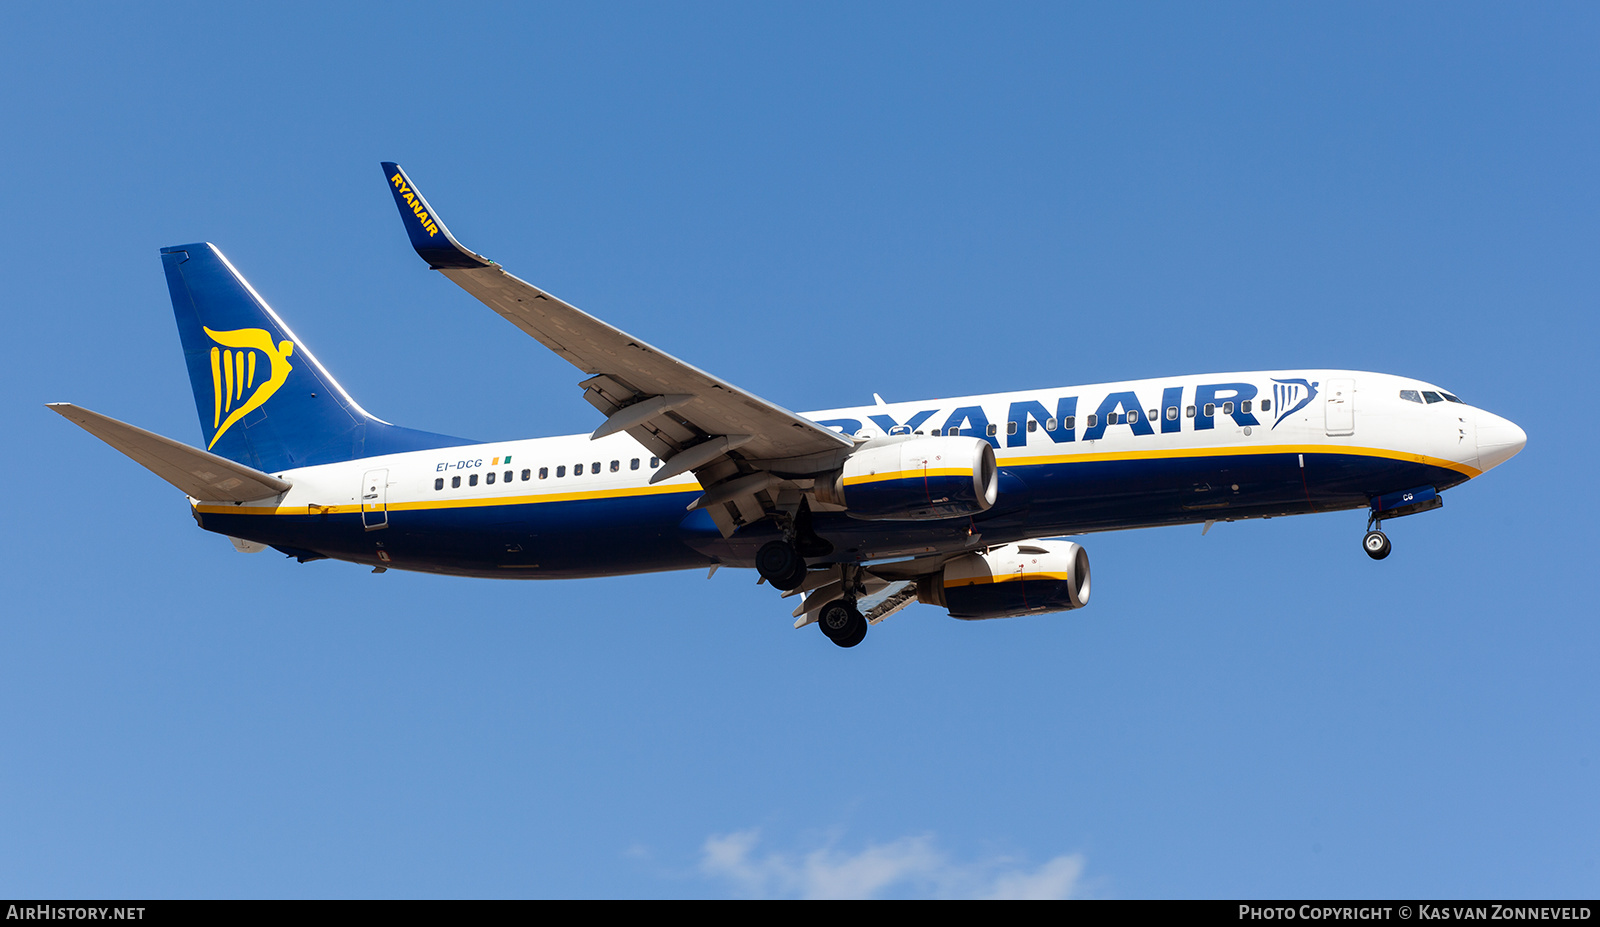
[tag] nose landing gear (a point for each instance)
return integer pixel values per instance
(1376, 543)
(1395, 505)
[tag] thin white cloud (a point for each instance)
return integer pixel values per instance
(910, 866)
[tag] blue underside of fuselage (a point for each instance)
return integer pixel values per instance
(651, 533)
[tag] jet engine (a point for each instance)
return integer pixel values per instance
(1027, 578)
(912, 478)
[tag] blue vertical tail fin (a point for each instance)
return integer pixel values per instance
(263, 399)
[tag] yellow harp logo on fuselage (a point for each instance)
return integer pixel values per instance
(234, 383)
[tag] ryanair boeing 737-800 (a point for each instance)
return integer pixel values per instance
(959, 503)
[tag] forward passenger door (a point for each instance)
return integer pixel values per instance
(1340, 407)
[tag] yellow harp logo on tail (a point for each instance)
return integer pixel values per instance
(234, 381)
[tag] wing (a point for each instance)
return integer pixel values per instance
(200, 474)
(737, 444)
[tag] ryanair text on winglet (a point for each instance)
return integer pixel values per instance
(428, 224)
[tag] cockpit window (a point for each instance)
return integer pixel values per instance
(1449, 397)
(1410, 395)
(1432, 396)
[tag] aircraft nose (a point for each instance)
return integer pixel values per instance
(1499, 440)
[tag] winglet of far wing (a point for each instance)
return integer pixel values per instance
(197, 473)
(689, 418)
(428, 235)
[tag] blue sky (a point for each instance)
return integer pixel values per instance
(815, 202)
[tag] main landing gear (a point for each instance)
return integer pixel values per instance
(842, 623)
(780, 564)
(783, 563)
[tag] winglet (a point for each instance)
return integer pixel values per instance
(433, 241)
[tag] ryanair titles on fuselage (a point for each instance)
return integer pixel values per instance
(415, 202)
(1058, 417)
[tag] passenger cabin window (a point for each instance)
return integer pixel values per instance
(993, 429)
(1112, 418)
(1092, 419)
(1227, 408)
(1133, 416)
(1172, 413)
(527, 475)
(577, 469)
(1266, 405)
(560, 472)
(655, 462)
(595, 468)
(1190, 412)
(616, 465)
(1245, 406)
(1211, 409)
(1049, 424)
(438, 483)
(1011, 428)
(489, 478)
(633, 464)
(1032, 426)
(1070, 422)
(507, 476)
(472, 480)
(455, 482)
(1152, 415)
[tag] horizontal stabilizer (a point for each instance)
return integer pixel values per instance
(197, 473)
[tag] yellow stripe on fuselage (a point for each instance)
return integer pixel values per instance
(479, 502)
(1004, 462)
(1254, 450)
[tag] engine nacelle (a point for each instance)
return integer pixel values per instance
(1027, 578)
(914, 477)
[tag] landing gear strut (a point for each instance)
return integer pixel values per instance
(842, 623)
